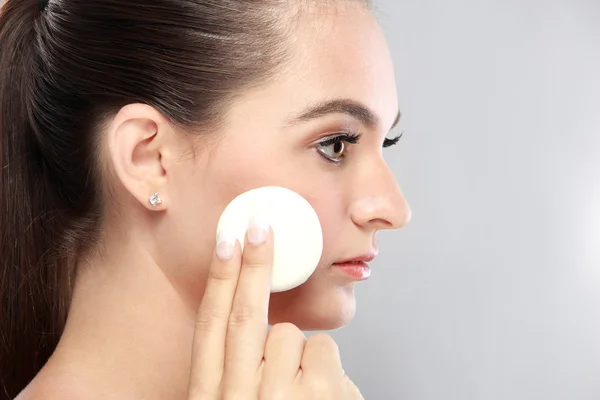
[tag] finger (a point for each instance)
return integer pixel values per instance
(321, 358)
(283, 356)
(353, 389)
(213, 317)
(248, 322)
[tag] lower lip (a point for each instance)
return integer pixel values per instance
(357, 271)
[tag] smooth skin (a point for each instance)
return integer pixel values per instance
(235, 356)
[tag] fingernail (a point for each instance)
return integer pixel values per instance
(258, 230)
(225, 245)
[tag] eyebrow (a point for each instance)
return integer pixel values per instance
(341, 106)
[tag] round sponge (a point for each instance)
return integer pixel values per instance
(298, 238)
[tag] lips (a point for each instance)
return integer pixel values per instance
(365, 258)
(356, 268)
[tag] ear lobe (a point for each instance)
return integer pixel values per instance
(136, 140)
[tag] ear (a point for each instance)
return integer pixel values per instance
(137, 139)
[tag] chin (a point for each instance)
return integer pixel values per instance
(313, 307)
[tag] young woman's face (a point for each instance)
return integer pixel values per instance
(340, 82)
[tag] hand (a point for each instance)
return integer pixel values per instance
(235, 356)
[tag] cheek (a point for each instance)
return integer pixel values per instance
(238, 166)
(235, 169)
(331, 211)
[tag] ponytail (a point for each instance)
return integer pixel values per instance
(34, 288)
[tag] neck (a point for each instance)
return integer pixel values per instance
(129, 333)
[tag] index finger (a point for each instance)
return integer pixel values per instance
(208, 352)
(248, 323)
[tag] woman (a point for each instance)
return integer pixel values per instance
(110, 292)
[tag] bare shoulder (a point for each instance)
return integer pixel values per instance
(36, 392)
(44, 392)
(42, 388)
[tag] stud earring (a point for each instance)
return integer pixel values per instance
(154, 200)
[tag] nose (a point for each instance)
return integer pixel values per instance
(379, 203)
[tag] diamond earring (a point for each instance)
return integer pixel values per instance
(154, 200)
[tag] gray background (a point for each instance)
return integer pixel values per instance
(493, 290)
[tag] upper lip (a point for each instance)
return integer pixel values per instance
(368, 257)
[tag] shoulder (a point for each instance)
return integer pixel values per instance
(42, 388)
(44, 392)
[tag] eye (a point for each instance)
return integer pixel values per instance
(333, 149)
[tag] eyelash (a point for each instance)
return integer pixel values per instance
(392, 142)
(352, 137)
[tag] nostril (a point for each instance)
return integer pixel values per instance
(382, 223)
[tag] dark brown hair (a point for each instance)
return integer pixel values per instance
(64, 69)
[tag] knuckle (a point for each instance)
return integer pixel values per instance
(256, 257)
(254, 265)
(199, 393)
(322, 341)
(222, 272)
(273, 392)
(255, 261)
(321, 388)
(242, 315)
(285, 330)
(206, 318)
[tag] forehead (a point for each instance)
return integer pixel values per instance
(339, 51)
